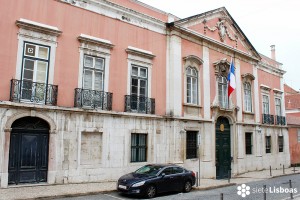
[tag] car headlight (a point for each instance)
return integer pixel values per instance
(138, 184)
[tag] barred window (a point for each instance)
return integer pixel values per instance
(280, 143)
(248, 97)
(138, 147)
(248, 143)
(191, 144)
(268, 144)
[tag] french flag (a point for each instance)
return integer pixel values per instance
(231, 78)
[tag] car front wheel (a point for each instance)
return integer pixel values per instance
(187, 186)
(150, 191)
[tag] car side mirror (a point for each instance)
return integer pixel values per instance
(163, 175)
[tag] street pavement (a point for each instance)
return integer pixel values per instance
(274, 186)
(206, 190)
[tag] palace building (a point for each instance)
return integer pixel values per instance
(93, 89)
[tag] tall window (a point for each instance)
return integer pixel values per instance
(278, 106)
(191, 144)
(139, 84)
(223, 92)
(266, 104)
(248, 97)
(280, 143)
(138, 147)
(93, 70)
(191, 87)
(268, 144)
(35, 69)
(248, 143)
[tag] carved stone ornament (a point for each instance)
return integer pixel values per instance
(221, 67)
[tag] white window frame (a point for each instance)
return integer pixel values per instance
(141, 58)
(248, 107)
(93, 69)
(224, 101)
(37, 33)
(263, 107)
(95, 47)
(194, 78)
(280, 107)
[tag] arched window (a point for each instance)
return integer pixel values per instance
(223, 91)
(247, 97)
(191, 85)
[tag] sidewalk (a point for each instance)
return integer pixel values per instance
(43, 191)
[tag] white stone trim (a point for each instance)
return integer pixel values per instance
(206, 83)
(42, 34)
(118, 12)
(238, 90)
(265, 87)
(142, 58)
(38, 27)
(277, 91)
(98, 47)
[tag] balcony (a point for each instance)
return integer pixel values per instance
(267, 119)
(33, 92)
(280, 120)
(139, 104)
(92, 99)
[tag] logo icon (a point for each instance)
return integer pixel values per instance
(243, 190)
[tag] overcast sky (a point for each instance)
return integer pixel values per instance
(264, 22)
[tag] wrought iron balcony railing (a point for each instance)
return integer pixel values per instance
(280, 120)
(139, 104)
(267, 119)
(93, 99)
(29, 91)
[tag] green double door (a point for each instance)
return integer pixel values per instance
(223, 154)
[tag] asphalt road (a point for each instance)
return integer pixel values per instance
(275, 191)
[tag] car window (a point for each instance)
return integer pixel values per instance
(149, 170)
(177, 170)
(167, 171)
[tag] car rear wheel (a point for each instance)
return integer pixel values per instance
(151, 191)
(187, 186)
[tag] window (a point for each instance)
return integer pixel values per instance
(192, 85)
(177, 170)
(34, 72)
(280, 143)
(223, 92)
(191, 144)
(298, 135)
(93, 73)
(248, 143)
(268, 144)
(278, 106)
(138, 147)
(266, 104)
(139, 85)
(248, 97)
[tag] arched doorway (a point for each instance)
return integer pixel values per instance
(223, 154)
(28, 151)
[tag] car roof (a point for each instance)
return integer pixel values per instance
(165, 165)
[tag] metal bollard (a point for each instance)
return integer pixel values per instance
(270, 171)
(265, 192)
(197, 175)
(283, 169)
(292, 197)
(221, 196)
(294, 169)
(229, 174)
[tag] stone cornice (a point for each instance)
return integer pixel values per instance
(265, 87)
(38, 27)
(214, 42)
(140, 52)
(115, 11)
(248, 75)
(97, 41)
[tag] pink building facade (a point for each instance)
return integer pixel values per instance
(93, 89)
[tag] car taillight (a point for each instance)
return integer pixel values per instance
(193, 174)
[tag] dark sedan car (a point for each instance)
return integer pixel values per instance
(152, 179)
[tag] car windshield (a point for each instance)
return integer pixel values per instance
(149, 170)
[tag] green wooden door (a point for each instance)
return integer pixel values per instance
(223, 154)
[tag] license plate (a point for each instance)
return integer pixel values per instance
(122, 187)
